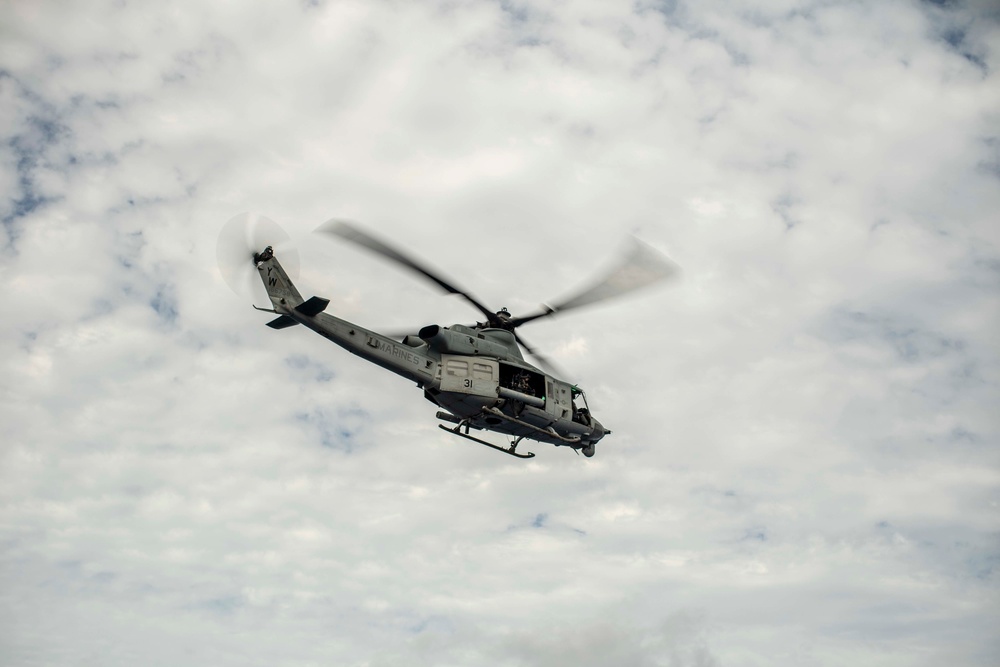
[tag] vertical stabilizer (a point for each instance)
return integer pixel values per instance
(277, 283)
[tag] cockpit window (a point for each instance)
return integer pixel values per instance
(581, 411)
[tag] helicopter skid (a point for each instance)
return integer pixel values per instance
(505, 450)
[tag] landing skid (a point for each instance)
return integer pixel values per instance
(505, 450)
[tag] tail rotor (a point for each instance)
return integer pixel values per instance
(242, 237)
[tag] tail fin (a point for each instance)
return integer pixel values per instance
(311, 307)
(279, 286)
(282, 322)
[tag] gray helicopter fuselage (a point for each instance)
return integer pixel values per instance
(479, 376)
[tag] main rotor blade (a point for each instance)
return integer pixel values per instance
(544, 362)
(349, 232)
(640, 267)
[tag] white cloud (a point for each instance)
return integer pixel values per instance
(574, 347)
(803, 466)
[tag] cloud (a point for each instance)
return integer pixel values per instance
(802, 467)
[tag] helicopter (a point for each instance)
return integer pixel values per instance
(476, 373)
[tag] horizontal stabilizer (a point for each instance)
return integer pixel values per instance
(282, 322)
(314, 306)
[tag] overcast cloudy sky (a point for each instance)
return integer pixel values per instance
(804, 468)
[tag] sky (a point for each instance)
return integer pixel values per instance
(803, 468)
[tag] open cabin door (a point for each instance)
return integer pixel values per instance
(469, 375)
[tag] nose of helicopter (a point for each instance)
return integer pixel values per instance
(598, 431)
(590, 441)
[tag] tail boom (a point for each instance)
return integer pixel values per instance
(291, 309)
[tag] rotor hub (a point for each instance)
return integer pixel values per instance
(259, 257)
